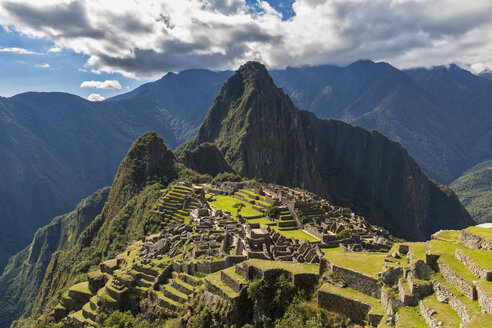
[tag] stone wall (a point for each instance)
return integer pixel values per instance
(353, 309)
(473, 241)
(445, 296)
(427, 315)
(473, 267)
(358, 281)
(457, 282)
(484, 300)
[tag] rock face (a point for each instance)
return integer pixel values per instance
(206, 159)
(261, 133)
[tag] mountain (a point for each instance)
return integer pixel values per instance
(474, 189)
(56, 149)
(74, 243)
(262, 134)
(185, 97)
(25, 271)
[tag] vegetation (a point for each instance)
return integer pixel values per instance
(474, 189)
(367, 263)
(226, 176)
(273, 212)
(345, 233)
(119, 319)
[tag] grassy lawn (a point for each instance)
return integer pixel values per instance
(329, 250)
(296, 233)
(444, 312)
(289, 266)
(410, 317)
(215, 280)
(367, 263)
(226, 203)
(483, 232)
(350, 293)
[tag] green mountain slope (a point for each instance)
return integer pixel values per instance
(148, 167)
(25, 271)
(474, 189)
(261, 133)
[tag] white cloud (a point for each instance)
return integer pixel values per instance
(108, 84)
(55, 50)
(95, 97)
(149, 38)
(45, 65)
(20, 51)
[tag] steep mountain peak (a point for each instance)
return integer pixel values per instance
(148, 160)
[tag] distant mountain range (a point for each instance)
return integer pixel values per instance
(58, 148)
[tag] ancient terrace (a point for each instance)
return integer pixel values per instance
(210, 249)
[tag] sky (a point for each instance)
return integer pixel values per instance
(100, 48)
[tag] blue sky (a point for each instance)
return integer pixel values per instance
(121, 44)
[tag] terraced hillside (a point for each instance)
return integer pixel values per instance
(236, 265)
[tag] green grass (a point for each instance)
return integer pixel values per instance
(486, 286)
(446, 251)
(444, 312)
(225, 203)
(289, 266)
(410, 317)
(418, 251)
(472, 306)
(329, 250)
(481, 320)
(449, 235)
(482, 232)
(82, 287)
(367, 263)
(215, 280)
(350, 293)
(481, 257)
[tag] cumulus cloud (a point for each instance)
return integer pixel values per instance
(45, 65)
(20, 51)
(149, 38)
(95, 97)
(108, 84)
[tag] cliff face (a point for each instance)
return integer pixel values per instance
(262, 134)
(24, 273)
(205, 159)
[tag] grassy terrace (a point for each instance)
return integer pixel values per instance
(350, 293)
(481, 320)
(472, 307)
(449, 235)
(367, 263)
(226, 203)
(444, 312)
(482, 232)
(418, 251)
(215, 280)
(289, 266)
(446, 251)
(486, 286)
(410, 317)
(82, 287)
(481, 257)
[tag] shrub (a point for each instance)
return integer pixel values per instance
(273, 212)
(226, 176)
(345, 233)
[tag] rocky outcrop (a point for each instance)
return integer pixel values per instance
(255, 125)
